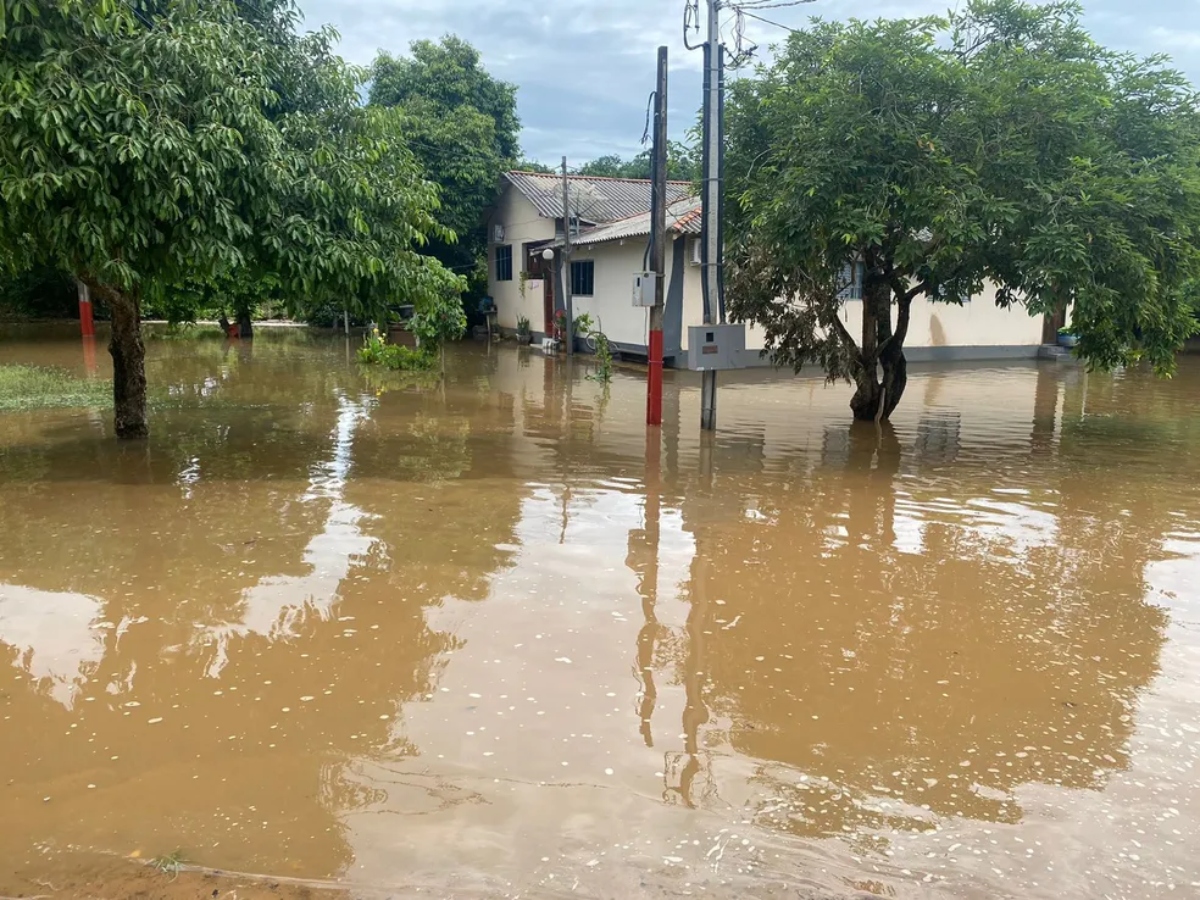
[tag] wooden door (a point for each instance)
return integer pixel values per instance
(540, 268)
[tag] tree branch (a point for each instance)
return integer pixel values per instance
(847, 339)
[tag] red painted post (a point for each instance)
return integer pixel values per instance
(654, 392)
(87, 326)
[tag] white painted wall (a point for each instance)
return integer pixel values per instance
(979, 323)
(612, 303)
(693, 306)
(522, 225)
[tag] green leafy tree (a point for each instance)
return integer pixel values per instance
(683, 164)
(462, 125)
(610, 166)
(146, 150)
(997, 144)
(530, 165)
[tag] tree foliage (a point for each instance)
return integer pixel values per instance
(683, 164)
(147, 148)
(462, 125)
(999, 144)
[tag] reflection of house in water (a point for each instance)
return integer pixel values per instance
(54, 636)
(892, 637)
(937, 439)
(277, 605)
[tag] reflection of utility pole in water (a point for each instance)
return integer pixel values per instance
(566, 374)
(682, 769)
(647, 572)
(89, 355)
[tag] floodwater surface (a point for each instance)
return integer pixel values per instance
(483, 638)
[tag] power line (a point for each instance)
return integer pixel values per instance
(769, 22)
(770, 4)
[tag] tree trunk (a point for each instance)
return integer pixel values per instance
(865, 402)
(129, 364)
(245, 327)
(876, 397)
(895, 378)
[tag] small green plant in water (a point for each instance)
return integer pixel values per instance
(169, 864)
(603, 356)
(376, 351)
(583, 325)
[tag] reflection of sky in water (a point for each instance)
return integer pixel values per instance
(277, 605)
(54, 635)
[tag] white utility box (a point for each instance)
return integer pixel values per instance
(716, 347)
(643, 289)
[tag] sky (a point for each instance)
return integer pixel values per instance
(585, 68)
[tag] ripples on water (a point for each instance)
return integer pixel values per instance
(479, 639)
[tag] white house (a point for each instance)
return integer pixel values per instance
(611, 233)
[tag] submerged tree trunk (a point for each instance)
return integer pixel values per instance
(881, 380)
(245, 326)
(129, 362)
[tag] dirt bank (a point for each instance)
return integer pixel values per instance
(134, 880)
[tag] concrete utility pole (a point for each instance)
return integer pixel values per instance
(658, 245)
(712, 249)
(568, 303)
(87, 325)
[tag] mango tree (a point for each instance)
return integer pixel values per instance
(999, 144)
(145, 148)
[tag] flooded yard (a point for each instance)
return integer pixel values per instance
(336, 629)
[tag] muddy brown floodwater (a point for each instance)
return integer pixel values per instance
(329, 630)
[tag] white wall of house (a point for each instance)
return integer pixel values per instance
(611, 304)
(522, 225)
(979, 323)
(976, 324)
(693, 305)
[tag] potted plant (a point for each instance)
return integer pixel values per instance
(1067, 337)
(524, 332)
(583, 327)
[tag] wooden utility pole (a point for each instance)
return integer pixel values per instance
(711, 240)
(568, 303)
(658, 245)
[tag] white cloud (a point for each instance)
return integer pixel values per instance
(584, 69)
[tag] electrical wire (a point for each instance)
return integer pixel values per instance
(649, 111)
(691, 20)
(769, 22)
(770, 4)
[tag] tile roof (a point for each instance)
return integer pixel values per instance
(597, 200)
(683, 217)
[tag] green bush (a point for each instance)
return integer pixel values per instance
(376, 351)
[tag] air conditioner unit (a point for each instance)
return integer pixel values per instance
(697, 252)
(497, 234)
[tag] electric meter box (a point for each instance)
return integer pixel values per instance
(715, 347)
(643, 289)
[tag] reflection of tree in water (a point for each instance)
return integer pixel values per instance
(306, 503)
(884, 681)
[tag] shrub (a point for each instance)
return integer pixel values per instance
(376, 351)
